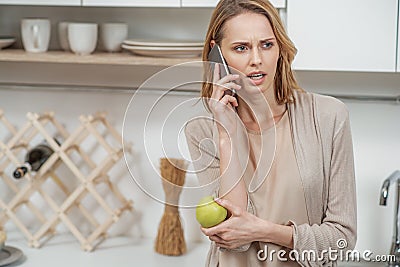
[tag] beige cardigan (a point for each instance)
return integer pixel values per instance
(323, 148)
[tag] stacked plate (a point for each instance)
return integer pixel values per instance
(164, 48)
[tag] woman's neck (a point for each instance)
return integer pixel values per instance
(260, 112)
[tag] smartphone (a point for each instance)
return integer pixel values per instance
(215, 56)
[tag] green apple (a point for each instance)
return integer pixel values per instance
(209, 213)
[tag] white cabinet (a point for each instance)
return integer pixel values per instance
(42, 2)
(199, 3)
(213, 3)
(132, 3)
(398, 38)
(344, 35)
(127, 3)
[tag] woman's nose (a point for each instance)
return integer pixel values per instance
(255, 57)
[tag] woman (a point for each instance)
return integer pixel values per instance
(303, 202)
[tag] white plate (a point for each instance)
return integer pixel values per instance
(9, 255)
(166, 43)
(160, 51)
(6, 41)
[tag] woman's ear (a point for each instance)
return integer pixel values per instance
(212, 43)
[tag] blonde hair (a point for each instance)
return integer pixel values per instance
(284, 79)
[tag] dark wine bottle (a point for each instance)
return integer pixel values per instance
(34, 159)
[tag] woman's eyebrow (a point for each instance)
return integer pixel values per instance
(269, 39)
(241, 42)
(247, 42)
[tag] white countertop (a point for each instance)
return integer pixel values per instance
(65, 251)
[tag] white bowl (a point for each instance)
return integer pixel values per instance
(6, 41)
(82, 37)
(112, 35)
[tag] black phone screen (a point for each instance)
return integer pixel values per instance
(215, 56)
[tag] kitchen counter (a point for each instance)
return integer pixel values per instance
(65, 251)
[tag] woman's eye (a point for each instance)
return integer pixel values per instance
(268, 44)
(240, 48)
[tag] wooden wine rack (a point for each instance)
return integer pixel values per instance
(72, 179)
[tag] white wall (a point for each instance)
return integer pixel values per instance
(68, 106)
(375, 129)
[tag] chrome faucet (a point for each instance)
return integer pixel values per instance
(395, 248)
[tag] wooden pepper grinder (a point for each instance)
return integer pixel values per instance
(170, 239)
(3, 237)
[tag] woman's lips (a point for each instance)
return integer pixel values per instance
(254, 80)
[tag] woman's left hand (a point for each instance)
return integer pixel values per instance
(239, 229)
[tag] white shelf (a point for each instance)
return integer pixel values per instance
(125, 58)
(106, 70)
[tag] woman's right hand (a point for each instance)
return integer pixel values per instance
(222, 105)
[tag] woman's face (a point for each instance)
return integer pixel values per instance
(249, 45)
